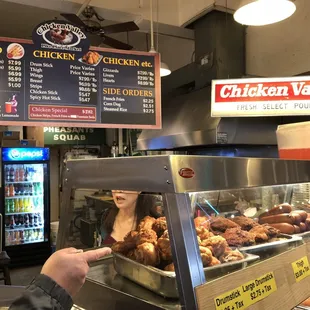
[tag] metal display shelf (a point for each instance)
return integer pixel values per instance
(174, 176)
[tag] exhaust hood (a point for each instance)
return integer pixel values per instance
(186, 94)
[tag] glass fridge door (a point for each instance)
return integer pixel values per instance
(24, 203)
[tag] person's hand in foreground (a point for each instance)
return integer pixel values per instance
(69, 267)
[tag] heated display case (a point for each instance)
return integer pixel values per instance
(268, 270)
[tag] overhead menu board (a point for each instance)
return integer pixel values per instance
(261, 97)
(98, 88)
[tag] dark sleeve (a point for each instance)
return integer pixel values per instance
(43, 294)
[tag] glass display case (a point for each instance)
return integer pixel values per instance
(221, 233)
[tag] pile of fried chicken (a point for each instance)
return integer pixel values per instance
(150, 244)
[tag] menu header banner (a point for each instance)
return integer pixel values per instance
(51, 83)
(261, 97)
(60, 35)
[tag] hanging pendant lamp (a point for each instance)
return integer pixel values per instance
(263, 12)
(164, 69)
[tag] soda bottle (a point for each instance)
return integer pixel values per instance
(12, 206)
(11, 190)
(7, 238)
(21, 205)
(26, 175)
(30, 220)
(25, 204)
(12, 175)
(6, 206)
(21, 174)
(7, 173)
(40, 219)
(21, 219)
(16, 175)
(26, 236)
(12, 222)
(21, 236)
(7, 221)
(16, 220)
(35, 220)
(17, 237)
(6, 191)
(17, 205)
(30, 189)
(26, 221)
(8, 210)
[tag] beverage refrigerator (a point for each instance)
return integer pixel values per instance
(26, 205)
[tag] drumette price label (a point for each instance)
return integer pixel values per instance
(247, 294)
(301, 269)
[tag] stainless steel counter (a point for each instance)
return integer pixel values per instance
(105, 289)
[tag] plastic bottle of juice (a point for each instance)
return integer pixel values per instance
(11, 190)
(17, 205)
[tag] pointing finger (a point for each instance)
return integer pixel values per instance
(94, 255)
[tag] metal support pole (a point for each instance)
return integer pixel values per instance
(184, 246)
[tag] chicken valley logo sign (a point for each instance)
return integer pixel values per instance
(60, 35)
(261, 97)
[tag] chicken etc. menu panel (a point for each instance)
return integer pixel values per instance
(102, 88)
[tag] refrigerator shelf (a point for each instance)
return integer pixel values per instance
(26, 212)
(26, 242)
(24, 228)
(27, 196)
(22, 182)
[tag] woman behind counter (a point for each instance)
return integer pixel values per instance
(130, 208)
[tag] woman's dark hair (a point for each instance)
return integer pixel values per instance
(144, 206)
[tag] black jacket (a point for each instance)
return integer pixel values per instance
(43, 294)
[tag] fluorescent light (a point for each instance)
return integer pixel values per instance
(263, 12)
(164, 69)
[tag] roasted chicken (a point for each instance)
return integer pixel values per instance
(221, 224)
(147, 254)
(206, 256)
(146, 235)
(238, 237)
(147, 223)
(231, 256)
(202, 221)
(244, 222)
(164, 247)
(216, 244)
(160, 226)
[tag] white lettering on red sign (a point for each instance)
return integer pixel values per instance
(261, 97)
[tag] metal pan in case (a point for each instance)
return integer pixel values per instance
(269, 249)
(164, 282)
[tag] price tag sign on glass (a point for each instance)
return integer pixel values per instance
(301, 268)
(247, 294)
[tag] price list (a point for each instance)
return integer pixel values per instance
(247, 294)
(105, 88)
(15, 74)
(88, 86)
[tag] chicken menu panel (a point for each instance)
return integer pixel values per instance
(103, 88)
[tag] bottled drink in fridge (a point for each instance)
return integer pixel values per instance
(21, 174)
(30, 220)
(7, 174)
(7, 221)
(16, 175)
(35, 220)
(12, 174)
(21, 236)
(26, 221)
(12, 206)
(16, 220)
(12, 222)
(30, 189)
(17, 205)
(7, 190)
(11, 190)
(26, 178)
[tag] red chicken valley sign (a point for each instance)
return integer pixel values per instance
(261, 97)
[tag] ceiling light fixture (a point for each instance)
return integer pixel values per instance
(263, 12)
(164, 69)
